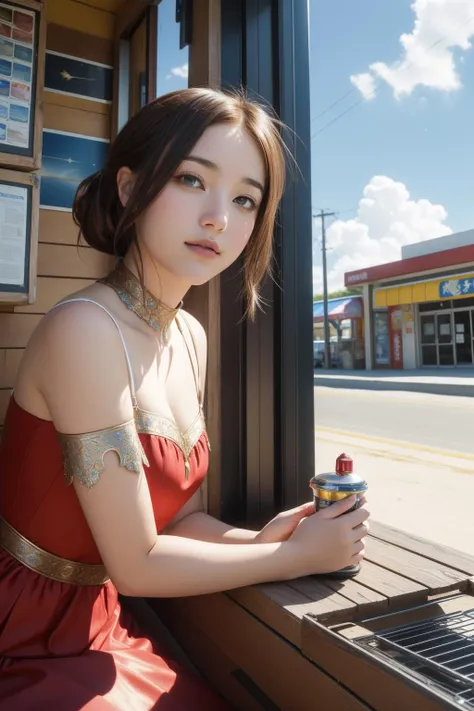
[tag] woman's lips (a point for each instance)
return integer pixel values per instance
(206, 252)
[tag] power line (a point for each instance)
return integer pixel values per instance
(376, 86)
(334, 103)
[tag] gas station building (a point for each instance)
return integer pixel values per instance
(419, 311)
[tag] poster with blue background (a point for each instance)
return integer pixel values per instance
(68, 158)
(77, 77)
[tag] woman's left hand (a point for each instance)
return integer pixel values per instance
(282, 526)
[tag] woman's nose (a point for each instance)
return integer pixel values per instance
(216, 220)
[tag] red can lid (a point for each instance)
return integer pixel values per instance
(344, 465)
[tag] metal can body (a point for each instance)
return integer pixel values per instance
(329, 488)
(334, 486)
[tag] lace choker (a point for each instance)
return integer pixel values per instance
(141, 301)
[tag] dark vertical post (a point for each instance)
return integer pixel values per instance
(267, 366)
(294, 345)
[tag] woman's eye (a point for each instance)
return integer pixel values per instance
(191, 181)
(246, 202)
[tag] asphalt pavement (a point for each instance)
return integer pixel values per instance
(414, 447)
(440, 421)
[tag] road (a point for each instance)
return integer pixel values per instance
(416, 452)
(422, 419)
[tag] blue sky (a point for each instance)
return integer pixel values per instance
(421, 142)
(172, 62)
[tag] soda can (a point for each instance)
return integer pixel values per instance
(333, 486)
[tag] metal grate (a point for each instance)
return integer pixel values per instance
(439, 650)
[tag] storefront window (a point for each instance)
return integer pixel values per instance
(463, 337)
(173, 62)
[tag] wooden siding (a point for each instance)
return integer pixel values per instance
(77, 16)
(84, 30)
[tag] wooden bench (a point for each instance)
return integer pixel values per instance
(280, 646)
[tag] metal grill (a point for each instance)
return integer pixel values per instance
(440, 650)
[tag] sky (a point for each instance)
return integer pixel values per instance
(398, 166)
(173, 62)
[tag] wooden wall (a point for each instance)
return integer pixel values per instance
(85, 30)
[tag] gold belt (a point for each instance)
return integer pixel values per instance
(48, 564)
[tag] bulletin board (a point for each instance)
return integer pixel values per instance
(19, 214)
(22, 57)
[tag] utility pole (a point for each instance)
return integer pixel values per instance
(327, 352)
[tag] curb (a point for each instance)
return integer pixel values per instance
(461, 389)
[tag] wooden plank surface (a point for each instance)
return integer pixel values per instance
(326, 602)
(368, 601)
(434, 551)
(55, 260)
(435, 576)
(396, 588)
(77, 102)
(79, 17)
(108, 5)
(16, 329)
(275, 666)
(79, 44)
(84, 123)
(57, 227)
(280, 606)
(212, 661)
(49, 291)
(10, 359)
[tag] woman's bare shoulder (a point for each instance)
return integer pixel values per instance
(75, 368)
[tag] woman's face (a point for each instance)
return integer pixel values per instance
(204, 217)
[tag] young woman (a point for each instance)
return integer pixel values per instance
(104, 447)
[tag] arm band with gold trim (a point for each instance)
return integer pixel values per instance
(83, 454)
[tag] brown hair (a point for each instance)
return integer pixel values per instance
(153, 144)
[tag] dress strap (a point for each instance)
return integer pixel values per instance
(127, 357)
(196, 369)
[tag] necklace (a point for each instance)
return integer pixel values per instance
(142, 302)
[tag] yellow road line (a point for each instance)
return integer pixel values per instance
(450, 453)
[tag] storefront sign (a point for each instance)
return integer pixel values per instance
(456, 287)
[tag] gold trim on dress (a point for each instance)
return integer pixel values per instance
(47, 564)
(150, 423)
(83, 454)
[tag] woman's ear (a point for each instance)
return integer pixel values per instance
(125, 183)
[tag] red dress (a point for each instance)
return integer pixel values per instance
(68, 647)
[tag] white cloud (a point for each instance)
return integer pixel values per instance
(181, 72)
(387, 218)
(365, 83)
(427, 58)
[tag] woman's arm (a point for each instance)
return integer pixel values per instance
(200, 526)
(193, 522)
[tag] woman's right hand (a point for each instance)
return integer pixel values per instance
(327, 541)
